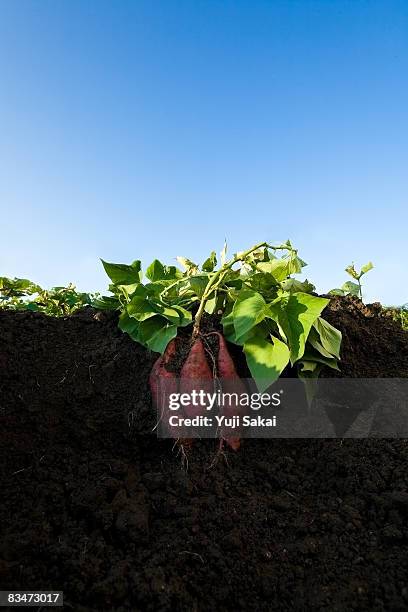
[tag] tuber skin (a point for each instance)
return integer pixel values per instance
(160, 372)
(196, 375)
(227, 372)
(196, 371)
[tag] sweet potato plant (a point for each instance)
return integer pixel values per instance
(349, 287)
(23, 294)
(274, 317)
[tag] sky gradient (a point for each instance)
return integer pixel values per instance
(135, 130)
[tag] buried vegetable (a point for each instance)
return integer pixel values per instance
(196, 375)
(231, 383)
(163, 383)
(274, 318)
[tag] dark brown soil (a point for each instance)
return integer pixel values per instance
(373, 344)
(94, 505)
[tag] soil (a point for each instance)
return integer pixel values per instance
(94, 505)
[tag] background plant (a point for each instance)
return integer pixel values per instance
(350, 288)
(23, 294)
(398, 313)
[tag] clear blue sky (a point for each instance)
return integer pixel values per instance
(142, 129)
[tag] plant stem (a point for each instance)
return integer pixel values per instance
(217, 278)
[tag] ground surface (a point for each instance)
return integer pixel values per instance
(93, 504)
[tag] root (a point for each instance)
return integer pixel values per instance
(211, 355)
(160, 417)
(193, 554)
(182, 452)
(220, 453)
(184, 458)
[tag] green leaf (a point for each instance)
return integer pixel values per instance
(211, 305)
(149, 327)
(130, 326)
(190, 266)
(266, 360)
(296, 316)
(140, 309)
(278, 268)
(368, 266)
(314, 340)
(248, 311)
(311, 354)
(139, 290)
(283, 267)
(308, 367)
(262, 329)
(198, 284)
(300, 263)
(351, 288)
(127, 291)
(123, 274)
(155, 289)
(336, 292)
(171, 314)
(352, 271)
(293, 285)
(159, 272)
(309, 372)
(330, 337)
(262, 282)
(261, 254)
(233, 279)
(156, 333)
(227, 323)
(185, 316)
(18, 286)
(155, 271)
(210, 263)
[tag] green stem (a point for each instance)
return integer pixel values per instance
(179, 280)
(216, 279)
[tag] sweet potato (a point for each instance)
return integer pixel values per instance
(231, 383)
(160, 393)
(196, 375)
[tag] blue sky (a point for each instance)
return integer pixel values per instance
(139, 129)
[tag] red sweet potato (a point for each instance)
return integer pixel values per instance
(160, 393)
(226, 367)
(196, 375)
(231, 383)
